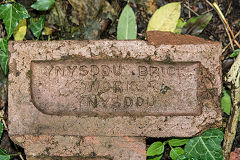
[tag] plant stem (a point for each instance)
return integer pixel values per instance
(232, 77)
(230, 131)
(14, 155)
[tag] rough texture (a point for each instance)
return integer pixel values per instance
(160, 37)
(115, 87)
(87, 148)
(190, 74)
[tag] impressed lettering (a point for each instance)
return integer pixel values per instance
(114, 87)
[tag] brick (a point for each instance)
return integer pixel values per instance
(112, 88)
(87, 148)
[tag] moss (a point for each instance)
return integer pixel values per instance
(17, 73)
(148, 59)
(165, 89)
(95, 102)
(47, 150)
(168, 59)
(66, 57)
(166, 119)
(92, 155)
(109, 146)
(91, 53)
(128, 54)
(29, 73)
(155, 53)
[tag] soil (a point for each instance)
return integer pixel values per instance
(143, 10)
(158, 37)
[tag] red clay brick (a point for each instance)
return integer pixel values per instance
(72, 89)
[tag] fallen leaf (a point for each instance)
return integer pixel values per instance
(165, 18)
(127, 26)
(20, 31)
(196, 25)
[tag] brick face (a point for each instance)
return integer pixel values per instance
(66, 91)
(90, 148)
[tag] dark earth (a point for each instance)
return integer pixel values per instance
(99, 21)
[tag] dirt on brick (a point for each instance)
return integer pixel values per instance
(160, 37)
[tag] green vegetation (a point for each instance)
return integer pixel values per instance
(3, 154)
(235, 53)
(206, 146)
(127, 26)
(156, 150)
(14, 17)
(37, 27)
(167, 18)
(43, 5)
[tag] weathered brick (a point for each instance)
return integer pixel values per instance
(75, 147)
(75, 89)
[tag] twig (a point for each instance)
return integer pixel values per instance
(17, 154)
(4, 123)
(20, 155)
(229, 37)
(210, 4)
(229, 9)
(222, 19)
(225, 22)
(190, 9)
(207, 11)
(224, 49)
(189, 12)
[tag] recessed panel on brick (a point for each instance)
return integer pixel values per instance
(115, 87)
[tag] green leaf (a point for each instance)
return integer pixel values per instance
(1, 129)
(196, 25)
(11, 14)
(235, 53)
(180, 25)
(183, 157)
(4, 155)
(177, 142)
(155, 157)
(20, 31)
(37, 27)
(4, 55)
(207, 146)
(127, 26)
(175, 152)
(165, 18)
(157, 148)
(43, 5)
(226, 101)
